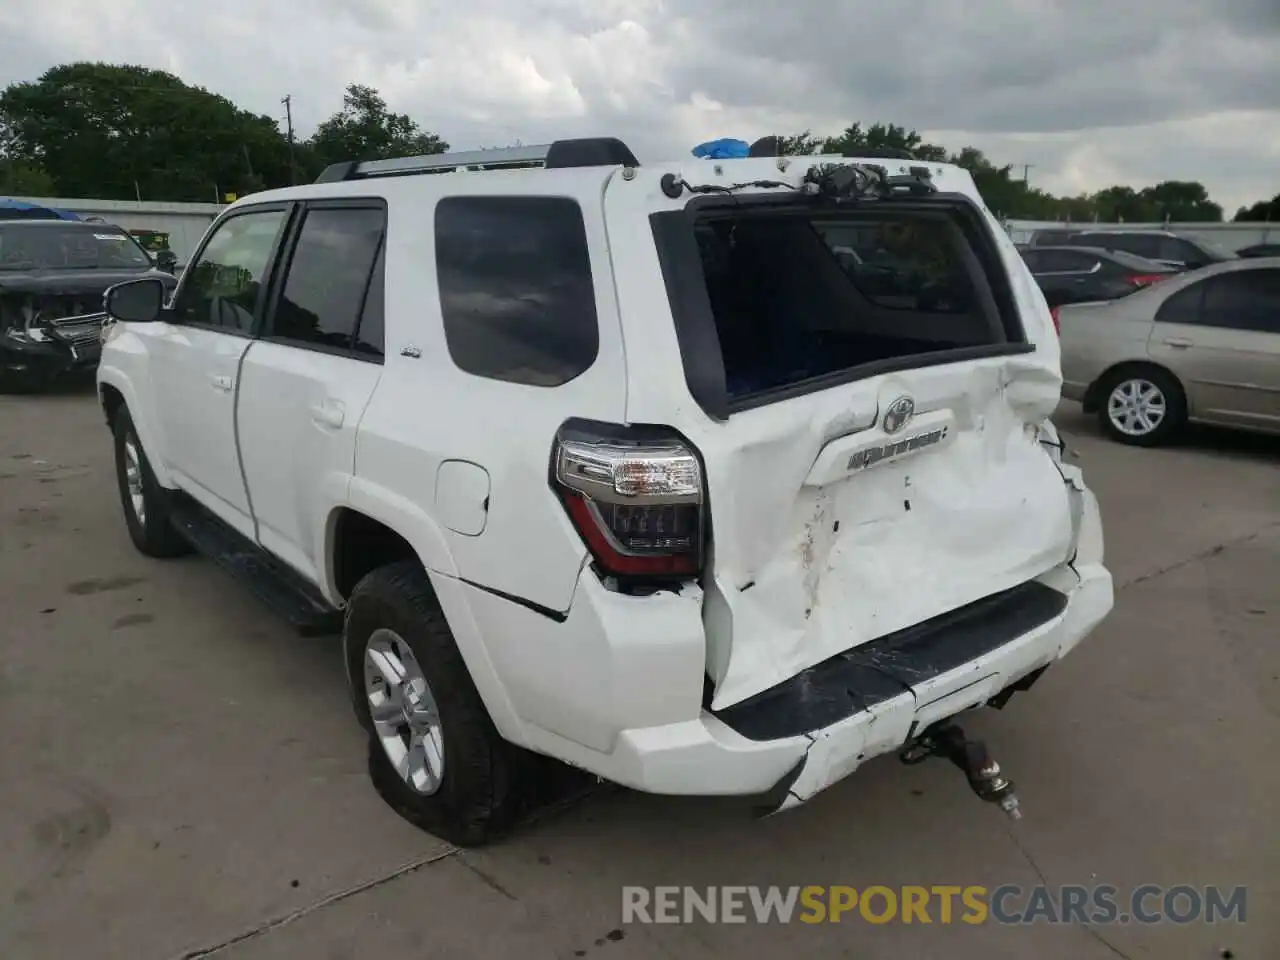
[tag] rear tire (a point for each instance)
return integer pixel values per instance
(434, 754)
(1141, 405)
(145, 503)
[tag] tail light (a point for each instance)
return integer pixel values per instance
(636, 498)
(1057, 324)
(1146, 279)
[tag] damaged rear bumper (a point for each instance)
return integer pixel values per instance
(944, 688)
(791, 742)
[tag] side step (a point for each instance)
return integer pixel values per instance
(275, 584)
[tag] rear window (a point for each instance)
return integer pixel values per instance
(802, 295)
(516, 291)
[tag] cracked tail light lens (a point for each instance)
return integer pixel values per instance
(638, 507)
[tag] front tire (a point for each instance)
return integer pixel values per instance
(1142, 406)
(144, 501)
(434, 754)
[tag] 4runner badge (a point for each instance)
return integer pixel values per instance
(898, 415)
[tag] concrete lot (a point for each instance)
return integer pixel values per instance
(181, 777)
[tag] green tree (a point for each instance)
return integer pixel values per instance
(24, 180)
(882, 136)
(1124, 204)
(1264, 211)
(120, 131)
(364, 129)
(1181, 200)
(799, 144)
(1011, 197)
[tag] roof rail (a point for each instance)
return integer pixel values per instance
(880, 153)
(586, 152)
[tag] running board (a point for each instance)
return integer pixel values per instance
(275, 584)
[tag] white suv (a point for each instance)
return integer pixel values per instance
(620, 464)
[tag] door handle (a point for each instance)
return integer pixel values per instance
(331, 413)
(1178, 343)
(223, 382)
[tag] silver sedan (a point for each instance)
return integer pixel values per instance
(1203, 346)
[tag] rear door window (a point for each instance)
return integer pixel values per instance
(1244, 300)
(328, 277)
(1185, 306)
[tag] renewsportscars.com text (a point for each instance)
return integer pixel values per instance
(1007, 904)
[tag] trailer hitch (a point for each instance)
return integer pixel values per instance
(947, 740)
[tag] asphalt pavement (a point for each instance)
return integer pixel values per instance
(181, 776)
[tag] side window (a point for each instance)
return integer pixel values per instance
(221, 288)
(1143, 244)
(1185, 306)
(1034, 260)
(1175, 248)
(1064, 261)
(328, 276)
(371, 333)
(1244, 300)
(516, 292)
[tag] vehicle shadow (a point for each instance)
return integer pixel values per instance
(1219, 442)
(82, 385)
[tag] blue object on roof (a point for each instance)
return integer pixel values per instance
(11, 209)
(725, 148)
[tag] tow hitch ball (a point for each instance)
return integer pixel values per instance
(947, 740)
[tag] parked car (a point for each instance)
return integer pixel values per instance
(1051, 237)
(1202, 347)
(1162, 246)
(798, 522)
(1260, 250)
(53, 274)
(1077, 274)
(11, 209)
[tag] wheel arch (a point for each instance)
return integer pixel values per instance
(116, 393)
(375, 528)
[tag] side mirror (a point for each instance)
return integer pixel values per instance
(135, 301)
(166, 260)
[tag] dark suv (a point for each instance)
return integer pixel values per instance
(1162, 246)
(53, 274)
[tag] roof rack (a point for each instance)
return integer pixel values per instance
(586, 152)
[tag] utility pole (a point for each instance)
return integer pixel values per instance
(288, 119)
(1026, 172)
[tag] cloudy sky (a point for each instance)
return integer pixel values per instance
(1089, 92)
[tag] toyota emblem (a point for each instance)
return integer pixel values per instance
(898, 415)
